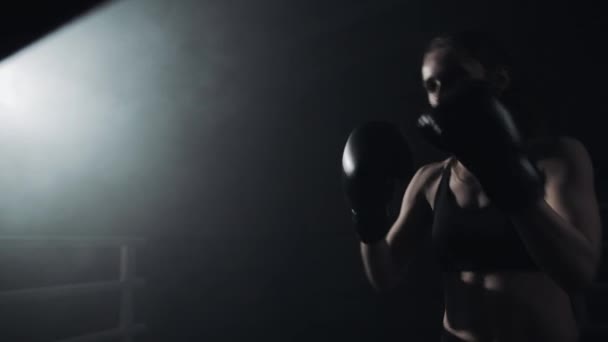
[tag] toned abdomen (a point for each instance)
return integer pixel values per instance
(508, 306)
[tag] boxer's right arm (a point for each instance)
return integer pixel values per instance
(385, 260)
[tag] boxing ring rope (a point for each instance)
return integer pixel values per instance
(127, 282)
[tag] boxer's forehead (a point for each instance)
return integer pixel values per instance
(446, 61)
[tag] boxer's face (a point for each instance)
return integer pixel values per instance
(443, 68)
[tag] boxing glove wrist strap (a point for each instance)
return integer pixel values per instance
(372, 226)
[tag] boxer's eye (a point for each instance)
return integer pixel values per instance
(446, 79)
(431, 85)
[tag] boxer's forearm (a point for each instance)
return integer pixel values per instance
(558, 247)
(380, 268)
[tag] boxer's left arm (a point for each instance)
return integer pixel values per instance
(562, 232)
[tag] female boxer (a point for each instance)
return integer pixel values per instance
(514, 218)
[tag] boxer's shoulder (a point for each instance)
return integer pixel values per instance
(559, 152)
(560, 147)
(429, 176)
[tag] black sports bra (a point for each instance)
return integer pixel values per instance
(475, 239)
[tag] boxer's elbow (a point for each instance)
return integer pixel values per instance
(383, 285)
(384, 279)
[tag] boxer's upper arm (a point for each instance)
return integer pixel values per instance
(570, 190)
(415, 217)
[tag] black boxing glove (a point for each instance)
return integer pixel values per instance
(375, 156)
(474, 126)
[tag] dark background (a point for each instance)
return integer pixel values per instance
(214, 130)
